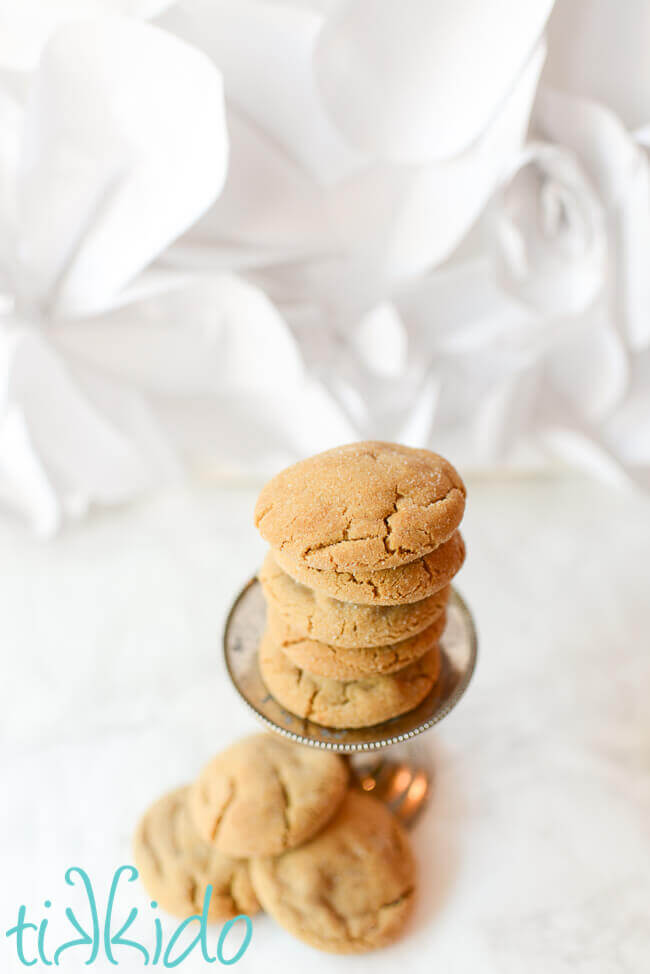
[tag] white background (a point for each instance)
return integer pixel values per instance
(236, 232)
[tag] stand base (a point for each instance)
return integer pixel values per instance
(404, 786)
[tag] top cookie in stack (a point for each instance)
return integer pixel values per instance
(364, 543)
(365, 505)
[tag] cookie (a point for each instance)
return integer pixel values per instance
(346, 703)
(321, 617)
(264, 795)
(361, 506)
(349, 890)
(176, 865)
(321, 659)
(394, 586)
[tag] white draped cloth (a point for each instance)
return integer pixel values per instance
(246, 230)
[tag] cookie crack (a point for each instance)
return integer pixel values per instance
(288, 641)
(218, 819)
(149, 846)
(336, 915)
(262, 514)
(388, 528)
(230, 893)
(340, 541)
(286, 802)
(310, 704)
(397, 901)
(404, 549)
(427, 570)
(192, 890)
(344, 684)
(175, 830)
(370, 584)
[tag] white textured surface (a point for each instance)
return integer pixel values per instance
(535, 851)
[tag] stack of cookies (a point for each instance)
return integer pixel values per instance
(275, 825)
(364, 543)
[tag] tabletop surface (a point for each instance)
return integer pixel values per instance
(535, 850)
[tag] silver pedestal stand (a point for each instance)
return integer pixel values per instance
(399, 780)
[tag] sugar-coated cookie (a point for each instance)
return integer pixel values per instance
(176, 865)
(350, 889)
(319, 616)
(264, 795)
(394, 586)
(346, 703)
(365, 505)
(322, 659)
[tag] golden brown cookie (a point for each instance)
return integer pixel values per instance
(321, 617)
(394, 586)
(264, 795)
(175, 865)
(349, 890)
(321, 659)
(364, 505)
(346, 703)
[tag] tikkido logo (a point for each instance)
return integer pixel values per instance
(107, 936)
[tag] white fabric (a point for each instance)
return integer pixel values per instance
(118, 148)
(26, 25)
(421, 81)
(598, 50)
(229, 252)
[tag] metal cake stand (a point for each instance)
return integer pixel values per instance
(399, 782)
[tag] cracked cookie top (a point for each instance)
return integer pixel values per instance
(175, 865)
(360, 702)
(264, 795)
(385, 586)
(365, 505)
(338, 663)
(349, 890)
(345, 624)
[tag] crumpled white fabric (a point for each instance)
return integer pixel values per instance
(354, 257)
(578, 255)
(374, 248)
(549, 233)
(87, 166)
(540, 345)
(598, 50)
(547, 356)
(101, 169)
(414, 81)
(26, 25)
(340, 231)
(331, 245)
